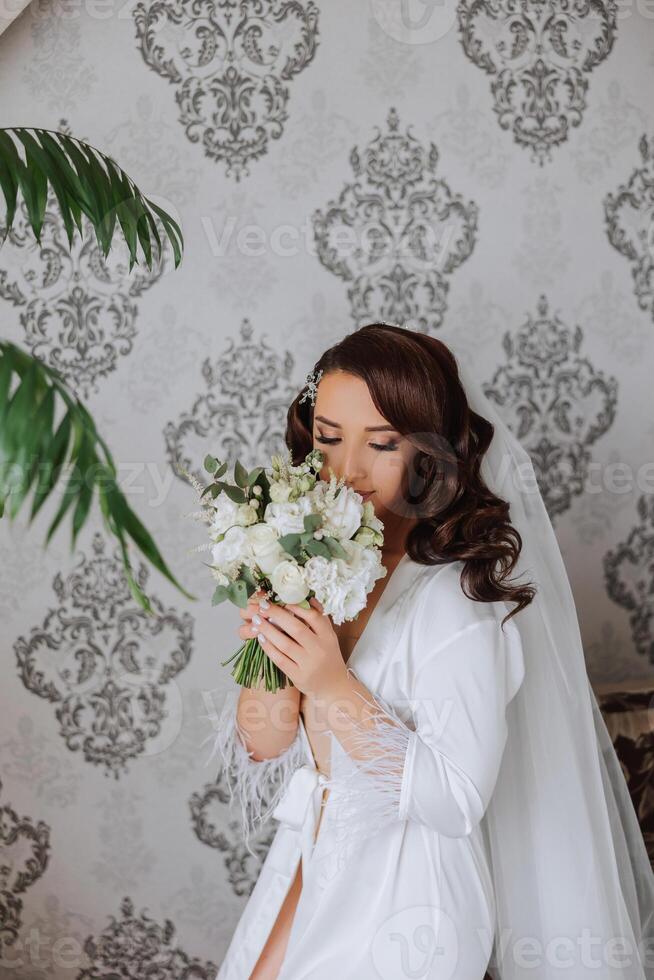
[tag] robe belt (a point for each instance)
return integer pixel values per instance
(299, 807)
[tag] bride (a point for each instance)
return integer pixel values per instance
(446, 796)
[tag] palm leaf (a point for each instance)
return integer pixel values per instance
(84, 180)
(35, 449)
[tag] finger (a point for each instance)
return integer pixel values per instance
(314, 620)
(284, 619)
(279, 658)
(275, 637)
(252, 606)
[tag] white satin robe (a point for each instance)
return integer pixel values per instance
(398, 883)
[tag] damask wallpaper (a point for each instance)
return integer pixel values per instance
(481, 171)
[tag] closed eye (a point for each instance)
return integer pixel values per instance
(390, 447)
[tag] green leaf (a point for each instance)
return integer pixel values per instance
(221, 594)
(37, 438)
(238, 593)
(234, 493)
(84, 181)
(210, 463)
(315, 547)
(312, 522)
(240, 475)
(335, 547)
(290, 540)
(254, 475)
(32, 454)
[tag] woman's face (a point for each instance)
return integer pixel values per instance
(360, 444)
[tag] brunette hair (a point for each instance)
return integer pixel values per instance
(413, 381)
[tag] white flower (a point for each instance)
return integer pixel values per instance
(279, 492)
(220, 577)
(342, 516)
(225, 514)
(232, 547)
(370, 519)
(264, 547)
(288, 517)
(246, 515)
(289, 582)
(365, 536)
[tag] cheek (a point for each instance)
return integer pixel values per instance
(387, 474)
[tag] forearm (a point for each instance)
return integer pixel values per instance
(268, 721)
(355, 718)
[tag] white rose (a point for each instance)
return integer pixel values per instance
(288, 518)
(289, 582)
(342, 517)
(264, 547)
(279, 492)
(233, 546)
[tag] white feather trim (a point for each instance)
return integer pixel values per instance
(365, 788)
(256, 785)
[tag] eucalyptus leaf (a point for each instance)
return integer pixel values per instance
(240, 475)
(234, 493)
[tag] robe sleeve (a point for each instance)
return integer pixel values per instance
(255, 785)
(440, 773)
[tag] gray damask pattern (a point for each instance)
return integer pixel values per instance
(230, 63)
(396, 232)
(104, 662)
(555, 402)
(134, 947)
(24, 853)
(629, 572)
(630, 224)
(243, 412)
(539, 54)
(78, 311)
(208, 809)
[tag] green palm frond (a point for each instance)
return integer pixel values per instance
(84, 181)
(36, 447)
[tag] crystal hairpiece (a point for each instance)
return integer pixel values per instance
(312, 386)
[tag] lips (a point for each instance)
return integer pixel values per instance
(366, 495)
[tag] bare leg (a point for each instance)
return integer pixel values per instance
(272, 954)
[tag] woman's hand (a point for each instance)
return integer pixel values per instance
(302, 642)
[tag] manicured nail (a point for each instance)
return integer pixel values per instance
(261, 638)
(264, 604)
(256, 619)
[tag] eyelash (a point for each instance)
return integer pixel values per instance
(384, 449)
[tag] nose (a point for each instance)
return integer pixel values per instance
(351, 468)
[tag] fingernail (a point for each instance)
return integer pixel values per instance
(256, 619)
(261, 638)
(264, 604)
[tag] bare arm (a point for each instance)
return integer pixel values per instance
(268, 720)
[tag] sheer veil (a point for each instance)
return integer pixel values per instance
(573, 883)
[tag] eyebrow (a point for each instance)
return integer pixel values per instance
(368, 428)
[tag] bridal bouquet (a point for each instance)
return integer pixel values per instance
(284, 531)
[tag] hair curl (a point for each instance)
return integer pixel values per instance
(414, 383)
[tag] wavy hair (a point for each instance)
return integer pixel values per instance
(414, 383)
